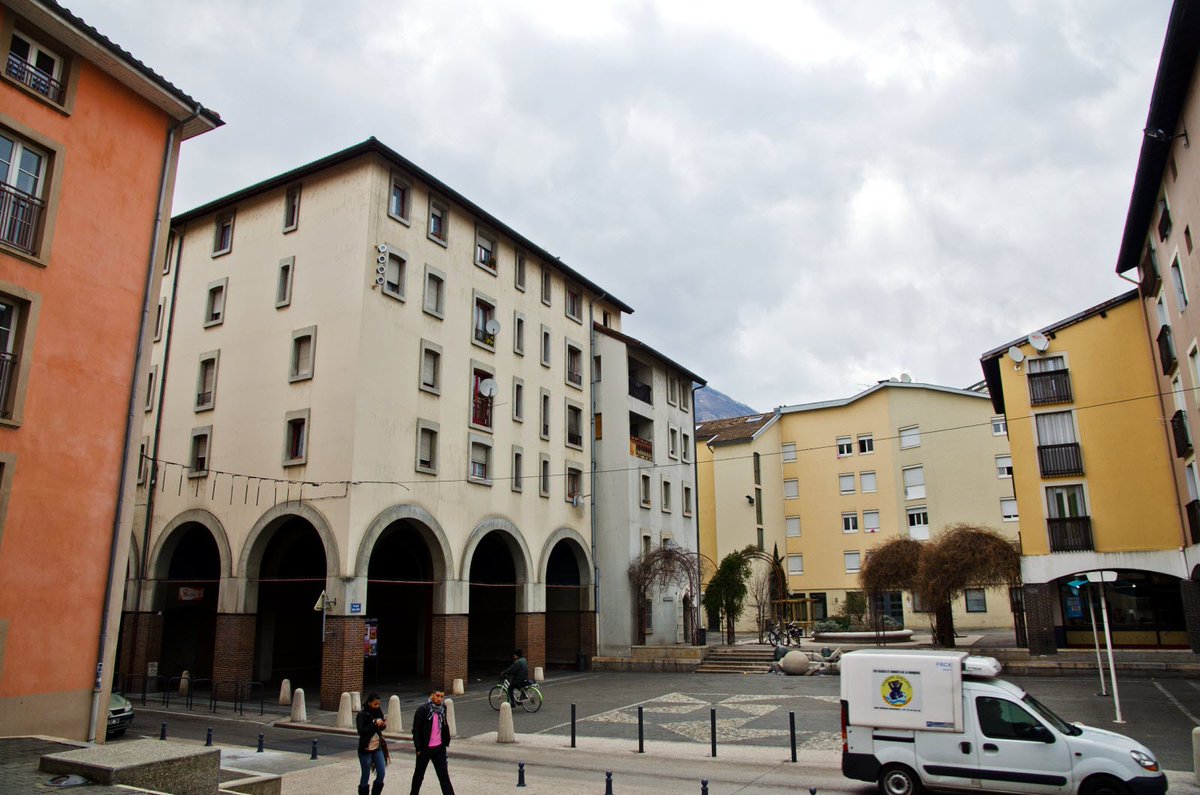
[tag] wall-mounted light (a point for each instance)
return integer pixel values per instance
(749, 499)
(1162, 136)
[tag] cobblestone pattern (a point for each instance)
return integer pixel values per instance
(1039, 617)
(341, 659)
(449, 654)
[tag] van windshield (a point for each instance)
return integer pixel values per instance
(1046, 714)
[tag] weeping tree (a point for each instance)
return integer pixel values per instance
(939, 571)
(662, 568)
(726, 590)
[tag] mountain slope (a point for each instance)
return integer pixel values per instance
(712, 404)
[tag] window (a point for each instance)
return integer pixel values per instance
(910, 437)
(850, 522)
(666, 496)
(431, 367)
(518, 465)
(687, 449)
(427, 446)
(303, 362)
(206, 381)
(483, 390)
(914, 483)
(574, 365)
(1055, 427)
(200, 453)
(866, 443)
(684, 396)
(141, 469)
(853, 561)
(16, 348)
(394, 276)
(574, 425)
(546, 284)
(596, 369)
(673, 444)
(151, 379)
(687, 500)
(545, 346)
(867, 482)
(485, 251)
(1065, 502)
(295, 445)
(435, 292)
(574, 307)
(518, 334)
(1194, 368)
(1008, 510)
(519, 272)
(544, 414)
(1004, 466)
(1187, 238)
(871, 521)
(845, 446)
(1181, 299)
(484, 334)
(999, 426)
(795, 564)
(36, 68)
(518, 400)
(672, 390)
(223, 234)
(158, 322)
(846, 483)
(757, 469)
(291, 209)
(22, 180)
(544, 475)
(789, 452)
(439, 222)
(918, 524)
(399, 201)
(283, 282)
(1192, 481)
(598, 423)
(480, 466)
(792, 523)
(758, 506)
(976, 600)
(1002, 719)
(574, 484)
(214, 304)
(791, 489)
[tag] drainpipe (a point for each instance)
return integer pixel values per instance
(696, 514)
(131, 425)
(592, 474)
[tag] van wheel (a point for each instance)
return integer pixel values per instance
(1104, 785)
(898, 780)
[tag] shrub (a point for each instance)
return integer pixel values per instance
(831, 625)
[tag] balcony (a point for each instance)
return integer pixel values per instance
(1183, 436)
(575, 438)
(8, 374)
(575, 378)
(481, 335)
(1193, 515)
(1057, 460)
(1164, 221)
(1073, 534)
(1166, 350)
(24, 72)
(1150, 277)
(481, 411)
(642, 448)
(641, 391)
(204, 398)
(1053, 386)
(20, 214)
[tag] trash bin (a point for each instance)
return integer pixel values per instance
(581, 662)
(701, 636)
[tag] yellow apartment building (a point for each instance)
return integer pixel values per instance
(1092, 463)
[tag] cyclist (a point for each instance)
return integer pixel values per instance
(516, 675)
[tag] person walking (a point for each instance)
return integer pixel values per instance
(372, 748)
(431, 739)
(517, 675)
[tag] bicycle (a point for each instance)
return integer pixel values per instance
(528, 697)
(775, 635)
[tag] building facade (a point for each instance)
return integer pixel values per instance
(77, 254)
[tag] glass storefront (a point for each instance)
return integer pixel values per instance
(1144, 610)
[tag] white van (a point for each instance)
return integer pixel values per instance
(914, 719)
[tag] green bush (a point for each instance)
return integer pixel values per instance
(831, 625)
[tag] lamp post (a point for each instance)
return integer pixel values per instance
(1101, 577)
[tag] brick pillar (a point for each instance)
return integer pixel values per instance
(341, 659)
(448, 658)
(531, 638)
(1039, 617)
(141, 643)
(1189, 593)
(233, 653)
(587, 635)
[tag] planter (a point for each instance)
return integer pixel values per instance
(887, 636)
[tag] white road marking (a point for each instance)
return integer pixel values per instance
(1178, 704)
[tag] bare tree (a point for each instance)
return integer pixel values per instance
(664, 567)
(761, 594)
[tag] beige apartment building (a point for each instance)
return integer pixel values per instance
(368, 395)
(842, 476)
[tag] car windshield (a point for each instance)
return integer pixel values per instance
(1046, 714)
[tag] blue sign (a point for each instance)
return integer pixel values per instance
(355, 607)
(1074, 607)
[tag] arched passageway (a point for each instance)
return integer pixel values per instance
(492, 621)
(188, 596)
(400, 580)
(291, 578)
(565, 602)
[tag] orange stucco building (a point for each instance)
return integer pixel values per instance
(89, 141)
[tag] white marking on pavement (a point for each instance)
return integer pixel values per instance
(1177, 703)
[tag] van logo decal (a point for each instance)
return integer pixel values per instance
(896, 691)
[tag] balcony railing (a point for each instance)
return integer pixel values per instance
(640, 391)
(24, 72)
(481, 335)
(575, 378)
(8, 375)
(642, 448)
(1193, 515)
(481, 411)
(1166, 350)
(1056, 460)
(1150, 277)
(1164, 222)
(575, 438)
(1183, 436)
(1053, 386)
(204, 398)
(19, 217)
(1070, 535)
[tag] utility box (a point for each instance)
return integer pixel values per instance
(904, 690)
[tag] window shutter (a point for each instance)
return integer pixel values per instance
(479, 454)
(429, 368)
(303, 354)
(426, 452)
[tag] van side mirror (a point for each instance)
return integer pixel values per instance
(1041, 734)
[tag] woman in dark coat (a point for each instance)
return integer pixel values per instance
(372, 749)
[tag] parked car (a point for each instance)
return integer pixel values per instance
(120, 714)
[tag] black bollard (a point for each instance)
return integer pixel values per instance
(520, 774)
(260, 742)
(812, 791)
(712, 723)
(572, 725)
(314, 751)
(703, 786)
(608, 782)
(162, 731)
(208, 738)
(641, 734)
(792, 731)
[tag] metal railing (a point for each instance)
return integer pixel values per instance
(1073, 534)
(204, 398)
(1183, 436)
(1053, 386)
(20, 214)
(642, 448)
(26, 73)
(1055, 460)
(481, 412)
(575, 378)
(640, 391)
(575, 438)
(1166, 350)
(481, 335)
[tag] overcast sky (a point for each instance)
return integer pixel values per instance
(797, 198)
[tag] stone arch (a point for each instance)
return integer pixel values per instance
(256, 540)
(1062, 565)
(168, 539)
(584, 559)
(431, 531)
(523, 560)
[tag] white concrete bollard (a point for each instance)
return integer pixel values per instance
(345, 716)
(451, 723)
(395, 718)
(185, 682)
(299, 712)
(356, 702)
(1196, 752)
(457, 688)
(538, 676)
(285, 692)
(505, 733)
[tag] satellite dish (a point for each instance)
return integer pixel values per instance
(488, 387)
(492, 327)
(905, 378)
(576, 501)
(1039, 341)
(1016, 354)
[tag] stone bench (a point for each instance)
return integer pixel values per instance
(148, 764)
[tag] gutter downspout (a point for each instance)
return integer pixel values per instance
(592, 473)
(696, 513)
(130, 425)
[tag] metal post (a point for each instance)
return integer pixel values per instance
(260, 742)
(1112, 668)
(572, 725)
(314, 750)
(162, 731)
(792, 732)
(1091, 608)
(641, 735)
(712, 722)
(208, 738)
(703, 786)
(520, 774)
(608, 782)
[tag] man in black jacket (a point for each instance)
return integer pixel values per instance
(517, 675)
(431, 738)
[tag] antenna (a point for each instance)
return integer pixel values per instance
(1016, 354)
(488, 387)
(492, 327)
(1039, 341)
(905, 378)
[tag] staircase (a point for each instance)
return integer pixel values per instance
(737, 660)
